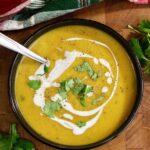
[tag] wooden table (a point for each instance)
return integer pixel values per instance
(116, 14)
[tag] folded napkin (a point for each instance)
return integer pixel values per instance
(36, 11)
(20, 14)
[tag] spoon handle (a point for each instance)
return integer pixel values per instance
(15, 46)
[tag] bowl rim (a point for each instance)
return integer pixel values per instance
(99, 26)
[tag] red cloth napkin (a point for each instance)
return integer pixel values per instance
(10, 7)
(7, 5)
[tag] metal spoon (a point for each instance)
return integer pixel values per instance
(15, 46)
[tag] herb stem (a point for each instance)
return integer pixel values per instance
(134, 29)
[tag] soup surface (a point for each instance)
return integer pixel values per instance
(84, 92)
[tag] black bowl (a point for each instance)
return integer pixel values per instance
(96, 25)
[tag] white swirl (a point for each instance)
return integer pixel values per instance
(60, 66)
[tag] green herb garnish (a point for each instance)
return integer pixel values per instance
(83, 101)
(13, 141)
(97, 100)
(86, 67)
(62, 93)
(83, 67)
(81, 124)
(23, 144)
(77, 87)
(45, 69)
(82, 90)
(34, 84)
(65, 87)
(86, 90)
(51, 107)
(141, 45)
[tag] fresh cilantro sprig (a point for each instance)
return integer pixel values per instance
(81, 124)
(141, 44)
(85, 67)
(13, 141)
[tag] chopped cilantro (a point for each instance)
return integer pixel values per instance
(67, 84)
(82, 101)
(45, 69)
(65, 87)
(87, 89)
(77, 87)
(83, 67)
(51, 107)
(86, 67)
(95, 76)
(97, 100)
(34, 84)
(81, 124)
(82, 90)
(62, 93)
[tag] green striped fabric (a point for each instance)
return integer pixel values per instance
(52, 8)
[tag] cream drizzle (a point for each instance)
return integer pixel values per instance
(102, 60)
(74, 127)
(68, 116)
(104, 89)
(60, 66)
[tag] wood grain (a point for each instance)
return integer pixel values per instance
(116, 14)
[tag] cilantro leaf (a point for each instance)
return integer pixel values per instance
(45, 69)
(87, 89)
(95, 76)
(81, 124)
(78, 88)
(12, 141)
(23, 144)
(62, 93)
(86, 67)
(82, 91)
(67, 84)
(34, 84)
(82, 101)
(14, 134)
(97, 100)
(144, 26)
(51, 107)
(134, 43)
(65, 87)
(5, 142)
(147, 52)
(83, 67)
(141, 45)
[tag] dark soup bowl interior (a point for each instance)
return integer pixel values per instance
(98, 26)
